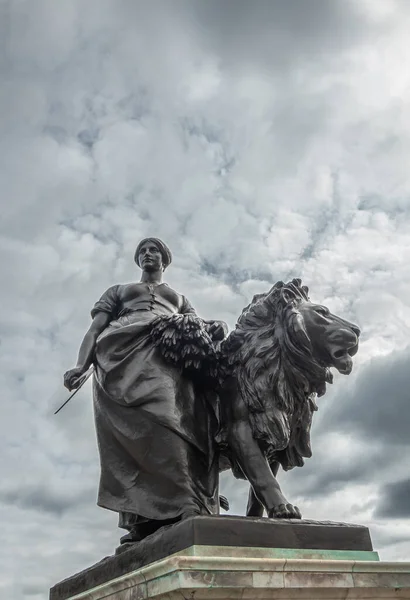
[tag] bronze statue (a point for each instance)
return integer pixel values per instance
(176, 401)
(155, 428)
(276, 362)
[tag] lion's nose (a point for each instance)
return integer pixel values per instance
(350, 337)
(355, 329)
(351, 340)
(345, 337)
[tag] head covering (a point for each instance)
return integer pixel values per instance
(162, 247)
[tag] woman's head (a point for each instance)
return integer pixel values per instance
(152, 254)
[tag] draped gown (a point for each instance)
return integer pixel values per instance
(155, 429)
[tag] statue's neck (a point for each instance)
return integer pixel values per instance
(152, 277)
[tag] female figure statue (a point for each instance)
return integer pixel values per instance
(155, 426)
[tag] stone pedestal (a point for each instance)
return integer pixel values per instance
(229, 557)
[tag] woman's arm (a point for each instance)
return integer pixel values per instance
(86, 352)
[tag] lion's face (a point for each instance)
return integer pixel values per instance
(334, 341)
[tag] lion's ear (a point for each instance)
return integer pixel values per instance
(278, 286)
(287, 295)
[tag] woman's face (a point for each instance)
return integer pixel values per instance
(150, 258)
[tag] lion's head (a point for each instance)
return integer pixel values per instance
(323, 337)
(280, 354)
(334, 341)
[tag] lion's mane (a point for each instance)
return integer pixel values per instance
(269, 354)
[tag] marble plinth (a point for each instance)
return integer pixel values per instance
(192, 576)
(227, 558)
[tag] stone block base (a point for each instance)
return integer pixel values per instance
(229, 558)
(190, 577)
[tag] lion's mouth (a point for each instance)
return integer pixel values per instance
(341, 358)
(342, 361)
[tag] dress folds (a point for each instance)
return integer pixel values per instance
(155, 428)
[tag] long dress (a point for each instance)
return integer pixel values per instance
(155, 429)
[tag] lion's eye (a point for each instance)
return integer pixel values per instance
(321, 310)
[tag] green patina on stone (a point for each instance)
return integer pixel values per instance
(286, 553)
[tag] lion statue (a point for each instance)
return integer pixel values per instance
(276, 362)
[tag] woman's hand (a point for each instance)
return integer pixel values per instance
(72, 378)
(217, 330)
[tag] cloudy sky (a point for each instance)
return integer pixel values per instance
(261, 140)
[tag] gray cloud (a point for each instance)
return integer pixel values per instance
(46, 499)
(394, 502)
(272, 35)
(377, 406)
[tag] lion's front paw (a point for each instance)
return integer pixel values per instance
(284, 511)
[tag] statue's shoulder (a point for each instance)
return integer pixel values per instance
(122, 288)
(110, 292)
(116, 293)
